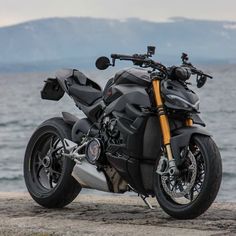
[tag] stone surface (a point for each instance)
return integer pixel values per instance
(107, 215)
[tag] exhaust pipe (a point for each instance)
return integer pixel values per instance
(89, 177)
(85, 173)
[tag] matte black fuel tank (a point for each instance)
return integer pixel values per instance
(134, 77)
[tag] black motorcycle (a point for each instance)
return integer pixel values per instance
(142, 133)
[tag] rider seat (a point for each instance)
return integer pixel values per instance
(80, 87)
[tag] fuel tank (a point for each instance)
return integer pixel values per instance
(136, 76)
(132, 79)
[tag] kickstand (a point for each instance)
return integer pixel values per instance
(144, 198)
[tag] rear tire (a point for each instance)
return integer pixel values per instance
(47, 173)
(209, 188)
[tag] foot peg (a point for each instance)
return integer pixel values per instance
(69, 145)
(72, 150)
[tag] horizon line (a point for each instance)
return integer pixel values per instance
(168, 20)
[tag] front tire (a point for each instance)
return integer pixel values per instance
(206, 185)
(47, 172)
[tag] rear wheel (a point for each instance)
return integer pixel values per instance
(191, 193)
(47, 172)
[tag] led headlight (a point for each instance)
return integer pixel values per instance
(182, 102)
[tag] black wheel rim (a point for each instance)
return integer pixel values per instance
(46, 164)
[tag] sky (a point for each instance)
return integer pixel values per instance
(16, 11)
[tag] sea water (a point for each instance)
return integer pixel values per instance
(22, 110)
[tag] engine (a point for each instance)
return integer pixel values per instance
(111, 136)
(98, 146)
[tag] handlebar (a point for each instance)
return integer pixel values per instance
(200, 73)
(136, 58)
(143, 60)
(120, 56)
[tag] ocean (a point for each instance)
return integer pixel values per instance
(22, 110)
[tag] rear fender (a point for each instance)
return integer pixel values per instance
(181, 138)
(69, 118)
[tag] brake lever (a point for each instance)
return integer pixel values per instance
(208, 76)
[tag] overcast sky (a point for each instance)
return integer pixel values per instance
(15, 11)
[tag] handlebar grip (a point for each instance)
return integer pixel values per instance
(195, 71)
(114, 56)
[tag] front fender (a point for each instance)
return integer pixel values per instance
(181, 138)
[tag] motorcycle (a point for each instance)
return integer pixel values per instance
(142, 133)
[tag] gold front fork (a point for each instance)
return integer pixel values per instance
(165, 128)
(189, 122)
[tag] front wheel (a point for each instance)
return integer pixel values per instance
(191, 193)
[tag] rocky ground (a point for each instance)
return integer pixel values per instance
(107, 215)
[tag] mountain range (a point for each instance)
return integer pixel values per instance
(46, 44)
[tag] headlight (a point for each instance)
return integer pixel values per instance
(179, 101)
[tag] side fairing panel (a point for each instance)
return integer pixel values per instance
(128, 94)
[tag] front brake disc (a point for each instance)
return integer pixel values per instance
(175, 186)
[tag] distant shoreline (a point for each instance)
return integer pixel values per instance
(107, 215)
